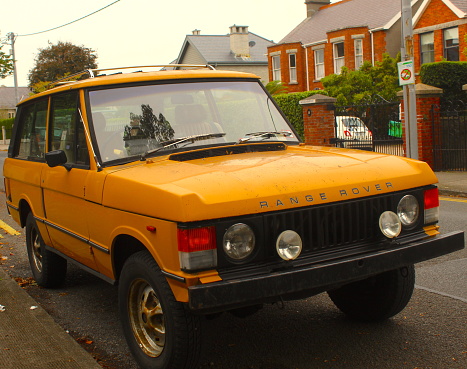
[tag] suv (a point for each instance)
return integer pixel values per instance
(191, 190)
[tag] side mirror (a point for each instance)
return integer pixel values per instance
(55, 158)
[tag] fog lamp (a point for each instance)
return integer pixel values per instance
(390, 224)
(239, 241)
(289, 245)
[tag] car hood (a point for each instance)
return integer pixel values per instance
(257, 182)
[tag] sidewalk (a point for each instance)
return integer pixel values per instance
(29, 337)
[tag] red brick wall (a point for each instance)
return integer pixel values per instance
(285, 71)
(318, 124)
(436, 13)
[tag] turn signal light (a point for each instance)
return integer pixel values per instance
(197, 248)
(431, 201)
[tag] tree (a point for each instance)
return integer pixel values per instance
(353, 86)
(276, 88)
(57, 61)
(6, 64)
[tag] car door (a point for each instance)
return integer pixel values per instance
(64, 186)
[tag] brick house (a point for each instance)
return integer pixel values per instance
(239, 50)
(348, 32)
(440, 28)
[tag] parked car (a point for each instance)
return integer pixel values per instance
(352, 133)
(191, 191)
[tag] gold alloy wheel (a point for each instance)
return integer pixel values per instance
(36, 249)
(146, 318)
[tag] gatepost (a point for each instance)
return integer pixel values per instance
(318, 120)
(428, 120)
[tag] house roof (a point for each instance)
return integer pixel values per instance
(215, 49)
(347, 14)
(459, 4)
(7, 96)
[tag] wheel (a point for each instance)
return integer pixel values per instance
(161, 333)
(376, 298)
(48, 268)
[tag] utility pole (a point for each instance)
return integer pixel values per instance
(410, 105)
(12, 37)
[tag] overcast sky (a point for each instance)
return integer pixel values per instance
(137, 32)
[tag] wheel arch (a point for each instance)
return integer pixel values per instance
(123, 247)
(24, 210)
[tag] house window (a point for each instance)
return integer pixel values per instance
(427, 47)
(451, 44)
(358, 44)
(339, 60)
(11, 115)
(276, 68)
(319, 64)
(293, 67)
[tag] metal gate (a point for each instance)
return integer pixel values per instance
(449, 130)
(374, 126)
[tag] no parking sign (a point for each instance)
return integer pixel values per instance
(406, 73)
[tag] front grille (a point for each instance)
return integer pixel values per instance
(332, 226)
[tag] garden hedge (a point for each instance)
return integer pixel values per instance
(450, 76)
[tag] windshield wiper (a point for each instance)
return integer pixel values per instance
(265, 135)
(177, 141)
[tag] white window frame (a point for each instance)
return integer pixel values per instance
(293, 67)
(339, 60)
(358, 47)
(427, 55)
(276, 67)
(447, 48)
(319, 64)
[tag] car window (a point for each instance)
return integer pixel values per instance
(66, 129)
(32, 130)
(129, 121)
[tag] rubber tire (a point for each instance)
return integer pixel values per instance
(376, 298)
(182, 329)
(52, 271)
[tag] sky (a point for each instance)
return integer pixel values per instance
(137, 32)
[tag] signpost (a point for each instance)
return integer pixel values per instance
(407, 79)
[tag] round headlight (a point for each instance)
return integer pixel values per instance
(408, 210)
(239, 241)
(289, 245)
(390, 224)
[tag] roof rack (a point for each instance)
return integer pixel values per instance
(93, 73)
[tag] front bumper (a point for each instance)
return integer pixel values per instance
(225, 295)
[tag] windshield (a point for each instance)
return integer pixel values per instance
(132, 121)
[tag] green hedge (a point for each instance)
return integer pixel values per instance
(450, 76)
(8, 124)
(289, 104)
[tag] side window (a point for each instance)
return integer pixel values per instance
(32, 131)
(66, 129)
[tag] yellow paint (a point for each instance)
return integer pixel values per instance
(8, 229)
(453, 199)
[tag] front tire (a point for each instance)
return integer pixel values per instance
(376, 298)
(161, 333)
(48, 268)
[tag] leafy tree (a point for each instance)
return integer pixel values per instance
(6, 64)
(57, 61)
(354, 86)
(276, 88)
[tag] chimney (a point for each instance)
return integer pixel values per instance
(312, 6)
(196, 32)
(239, 41)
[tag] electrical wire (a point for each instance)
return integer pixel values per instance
(76, 20)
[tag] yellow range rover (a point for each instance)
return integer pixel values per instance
(191, 191)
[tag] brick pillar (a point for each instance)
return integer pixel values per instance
(426, 96)
(318, 120)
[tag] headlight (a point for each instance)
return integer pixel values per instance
(239, 241)
(408, 210)
(289, 245)
(390, 224)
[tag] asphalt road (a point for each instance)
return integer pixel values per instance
(430, 333)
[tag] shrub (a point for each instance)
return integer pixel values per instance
(8, 124)
(450, 76)
(289, 103)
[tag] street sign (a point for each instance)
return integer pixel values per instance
(406, 73)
